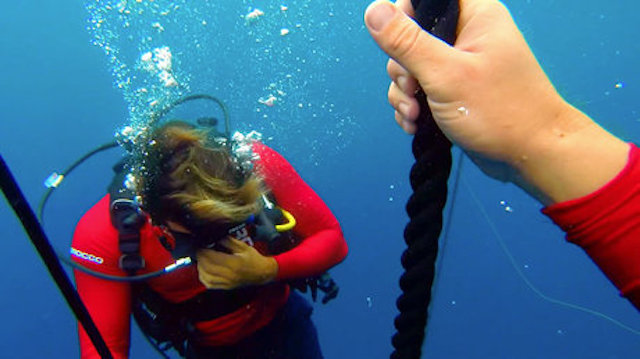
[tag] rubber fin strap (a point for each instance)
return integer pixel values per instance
(428, 177)
(39, 239)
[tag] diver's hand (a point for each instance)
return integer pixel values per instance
(243, 266)
(490, 96)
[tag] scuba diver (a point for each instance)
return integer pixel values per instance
(252, 228)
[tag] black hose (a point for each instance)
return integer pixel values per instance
(68, 170)
(158, 116)
(39, 239)
(65, 259)
(428, 177)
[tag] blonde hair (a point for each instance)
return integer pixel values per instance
(193, 178)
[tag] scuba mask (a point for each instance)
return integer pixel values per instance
(268, 226)
(183, 244)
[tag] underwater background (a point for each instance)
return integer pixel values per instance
(309, 78)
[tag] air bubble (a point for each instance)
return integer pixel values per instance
(506, 206)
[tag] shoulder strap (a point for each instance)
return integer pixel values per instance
(128, 219)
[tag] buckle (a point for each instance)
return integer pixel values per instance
(131, 262)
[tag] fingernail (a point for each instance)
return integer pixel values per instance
(409, 127)
(402, 82)
(380, 14)
(404, 109)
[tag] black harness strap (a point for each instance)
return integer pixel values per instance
(128, 219)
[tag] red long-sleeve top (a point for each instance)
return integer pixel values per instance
(95, 245)
(606, 224)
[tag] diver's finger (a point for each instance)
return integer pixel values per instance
(406, 125)
(211, 256)
(407, 83)
(213, 281)
(422, 54)
(212, 270)
(234, 245)
(405, 104)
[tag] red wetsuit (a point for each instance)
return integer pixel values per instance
(606, 224)
(95, 245)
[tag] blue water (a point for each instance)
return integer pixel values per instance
(334, 125)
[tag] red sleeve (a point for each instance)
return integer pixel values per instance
(95, 245)
(323, 244)
(606, 224)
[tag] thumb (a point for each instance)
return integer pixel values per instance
(405, 41)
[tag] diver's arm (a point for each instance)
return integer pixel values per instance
(95, 244)
(323, 244)
(490, 96)
(606, 224)
(109, 306)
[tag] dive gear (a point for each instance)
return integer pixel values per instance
(207, 121)
(268, 226)
(129, 258)
(324, 282)
(182, 244)
(272, 225)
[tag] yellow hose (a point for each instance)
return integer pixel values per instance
(291, 222)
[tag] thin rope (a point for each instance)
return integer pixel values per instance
(526, 280)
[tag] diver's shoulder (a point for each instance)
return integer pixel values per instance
(266, 154)
(96, 222)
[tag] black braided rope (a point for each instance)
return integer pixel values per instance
(428, 177)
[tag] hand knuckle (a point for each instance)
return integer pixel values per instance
(404, 40)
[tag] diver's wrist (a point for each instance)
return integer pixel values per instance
(571, 158)
(269, 270)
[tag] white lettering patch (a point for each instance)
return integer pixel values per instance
(86, 256)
